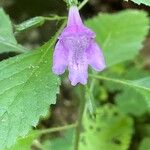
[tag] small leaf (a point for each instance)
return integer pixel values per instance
(7, 40)
(146, 2)
(28, 87)
(121, 34)
(107, 129)
(31, 23)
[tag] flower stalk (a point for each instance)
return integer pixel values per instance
(79, 122)
(73, 2)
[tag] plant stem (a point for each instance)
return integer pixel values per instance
(82, 4)
(79, 123)
(123, 82)
(59, 31)
(73, 2)
(82, 106)
(91, 97)
(55, 18)
(37, 133)
(83, 101)
(55, 129)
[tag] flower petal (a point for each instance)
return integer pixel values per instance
(78, 76)
(95, 57)
(74, 18)
(60, 59)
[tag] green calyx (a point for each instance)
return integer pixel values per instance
(73, 2)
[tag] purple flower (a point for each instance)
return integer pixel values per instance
(76, 49)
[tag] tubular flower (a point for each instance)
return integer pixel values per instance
(76, 49)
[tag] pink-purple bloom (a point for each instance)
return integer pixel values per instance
(76, 49)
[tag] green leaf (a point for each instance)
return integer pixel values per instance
(128, 100)
(140, 89)
(140, 84)
(145, 144)
(31, 23)
(146, 2)
(62, 143)
(46, 145)
(28, 87)
(7, 40)
(24, 143)
(132, 102)
(35, 22)
(121, 34)
(107, 129)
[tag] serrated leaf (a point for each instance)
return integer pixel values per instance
(28, 87)
(121, 34)
(7, 40)
(146, 2)
(107, 129)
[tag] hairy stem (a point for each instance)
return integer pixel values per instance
(55, 129)
(82, 106)
(58, 18)
(37, 133)
(35, 22)
(82, 4)
(79, 123)
(123, 82)
(91, 97)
